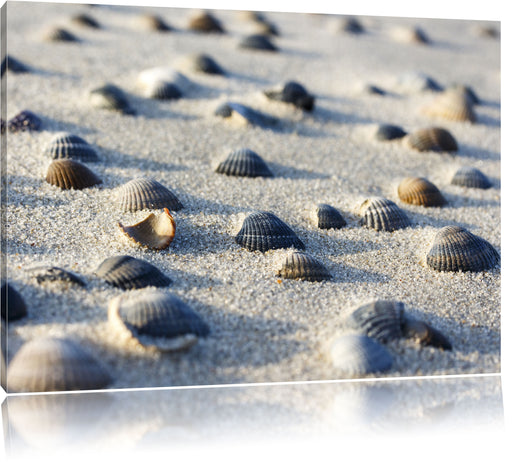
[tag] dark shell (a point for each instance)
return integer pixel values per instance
(425, 334)
(71, 174)
(264, 231)
(205, 64)
(328, 217)
(86, 21)
(205, 22)
(12, 303)
(387, 132)
(155, 22)
(57, 34)
(24, 121)
(351, 26)
(146, 193)
(52, 364)
(257, 42)
(373, 90)
(420, 191)
(111, 97)
(456, 249)
(68, 146)
(160, 89)
(244, 162)
(54, 274)
(293, 93)
(12, 64)
(470, 177)
(304, 267)
(249, 115)
(383, 215)
(127, 273)
(432, 139)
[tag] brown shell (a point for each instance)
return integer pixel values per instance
(71, 174)
(431, 139)
(205, 22)
(154, 232)
(301, 266)
(420, 191)
(451, 105)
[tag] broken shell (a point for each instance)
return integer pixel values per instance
(327, 217)
(456, 249)
(257, 42)
(12, 303)
(383, 215)
(244, 162)
(24, 121)
(470, 177)
(44, 274)
(387, 132)
(58, 34)
(304, 267)
(425, 334)
(154, 22)
(86, 21)
(431, 139)
(205, 22)
(264, 231)
(245, 115)
(451, 105)
(71, 174)
(154, 232)
(293, 93)
(111, 97)
(68, 146)
(146, 193)
(200, 62)
(420, 191)
(127, 273)
(53, 364)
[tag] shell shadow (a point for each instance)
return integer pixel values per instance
(329, 115)
(154, 108)
(56, 125)
(456, 201)
(483, 119)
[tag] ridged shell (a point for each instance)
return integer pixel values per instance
(387, 132)
(467, 92)
(71, 174)
(155, 232)
(85, 20)
(245, 115)
(327, 217)
(160, 89)
(357, 355)
(24, 121)
(12, 303)
(205, 22)
(68, 146)
(456, 249)
(58, 34)
(451, 105)
(200, 62)
(420, 191)
(293, 93)
(244, 162)
(127, 273)
(383, 215)
(300, 265)
(432, 139)
(12, 64)
(154, 22)
(425, 334)
(146, 193)
(52, 364)
(157, 319)
(264, 231)
(111, 97)
(470, 177)
(44, 274)
(257, 42)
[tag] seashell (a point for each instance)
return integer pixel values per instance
(425, 334)
(154, 22)
(264, 27)
(245, 115)
(43, 274)
(451, 105)
(163, 83)
(205, 22)
(420, 191)
(470, 177)
(351, 25)
(357, 355)
(409, 35)
(383, 215)
(417, 82)
(85, 20)
(456, 249)
(431, 139)
(467, 91)
(157, 320)
(58, 34)
(127, 273)
(68, 146)
(244, 162)
(327, 217)
(293, 93)
(12, 64)
(264, 231)
(154, 232)
(160, 89)
(54, 364)
(200, 62)
(146, 193)
(370, 89)
(300, 265)
(12, 303)
(387, 132)
(111, 97)
(257, 42)
(71, 174)
(24, 121)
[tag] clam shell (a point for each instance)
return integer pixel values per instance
(467, 92)
(71, 174)
(327, 217)
(154, 22)
(425, 334)
(470, 177)
(245, 115)
(24, 121)
(383, 215)
(157, 320)
(293, 93)
(456, 249)
(160, 89)
(111, 97)
(58, 34)
(431, 139)
(388, 132)
(420, 191)
(205, 22)
(153, 77)
(12, 303)
(257, 42)
(85, 20)
(264, 231)
(14, 65)
(146, 193)
(127, 273)
(154, 232)
(44, 274)
(53, 364)
(244, 162)
(357, 355)
(451, 105)
(300, 265)
(200, 62)
(68, 146)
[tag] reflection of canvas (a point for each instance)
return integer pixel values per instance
(224, 197)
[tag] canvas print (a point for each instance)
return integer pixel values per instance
(203, 197)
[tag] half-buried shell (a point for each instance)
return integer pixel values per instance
(327, 217)
(388, 132)
(304, 267)
(153, 22)
(163, 83)
(43, 274)
(200, 62)
(24, 121)
(431, 139)
(470, 177)
(85, 20)
(244, 162)
(68, 146)
(205, 22)
(293, 93)
(420, 191)
(146, 193)
(58, 34)
(71, 174)
(383, 214)
(451, 105)
(258, 42)
(155, 231)
(111, 97)
(12, 303)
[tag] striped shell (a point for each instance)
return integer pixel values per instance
(200, 62)
(157, 320)
(451, 105)
(383, 215)
(244, 162)
(420, 191)
(357, 355)
(71, 174)
(24, 121)
(43, 274)
(456, 249)
(467, 92)
(146, 193)
(264, 231)
(257, 42)
(85, 20)
(154, 22)
(12, 303)
(58, 34)
(68, 146)
(292, 93)
(431, 139)
(155, 232)
(425, 334)
(205, 22)
(127, 273)
(300, 265)
(470, 177)
(327, 217)
(111, 97)
(387, 132)
(53, 364)
(245, 115)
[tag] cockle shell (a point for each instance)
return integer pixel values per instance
(383, 214)
(155, 80)
(456, 249)
(127, 273)
(205, 22)
(155, 232)
(54, 364)
(12, 64)
(160, 89)
(68, 146)
(388, 132)
(451, 105)
(425, 334)
(154, 22)
(111, 97)
(245, 115)
(44, 274)
(257, 42)
(470, 177)
(264, 231)
(293, 93)
(85, 20)
(200, 62)
(420, 191)
(466, 91)
(24, 121)
(71, 174)
(327, 217)
(12, 303)
(431, 139)
(146, 193)
(301, 266)
(244, 162)
(58, 34)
